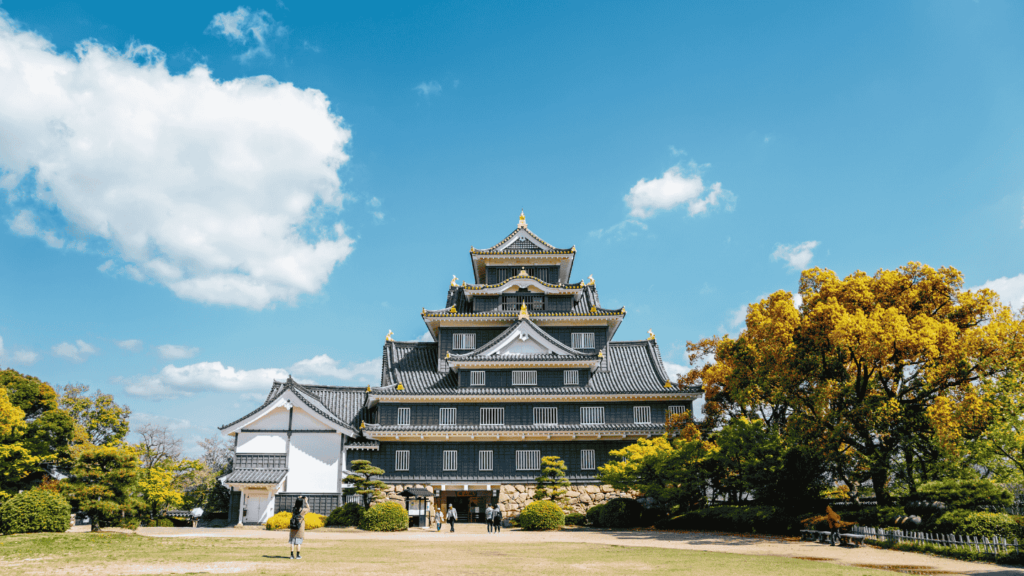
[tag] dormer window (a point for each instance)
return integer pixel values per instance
(477, 377)
(524, 377)
(583, 340)
(404, 416)
(571, 378)
(464, 341)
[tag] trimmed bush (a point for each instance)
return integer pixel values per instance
(594, 515)
(385, 517)
(282, 520)
(542, 515)
(872, 515)
(35, 511)
(164, 523)
(575, 519)
(348, 515)
(965, 494)
(743, 519)
(970, 523)
(621, 513)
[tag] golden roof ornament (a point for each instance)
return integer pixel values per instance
(523, 314)
(388, 337)
(650, 335)
(522, 272)
(455, 281)
(447, 355)
(600, 353)
(452, 310)
(463, 283)
(668, 383)
(591, 279)
(573, 249)
(522, 220)
(362, 425)
(367, 388)
(399, 387)
(593, 309)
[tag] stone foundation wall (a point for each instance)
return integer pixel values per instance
(512, 498)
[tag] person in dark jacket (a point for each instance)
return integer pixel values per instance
(452, 517)
(496, 519)
(298, 526)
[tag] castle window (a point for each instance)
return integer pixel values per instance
(450, 461)
(545, 416)
(527, 459)
(477, 378)
(464, 341)
(571, 378)
(588, 460)
(447, 417)
(583, 341)
(492, 416)
(486, 460)
(592, 415)
(524, 377)
(641, 414)
(404, 416)
(401, 460)
(677, 409)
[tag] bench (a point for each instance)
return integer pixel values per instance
(851, 539)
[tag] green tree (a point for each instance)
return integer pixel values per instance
(104, 484)
(362, 478)
(552, 483)
(99, 420)
(29, 393)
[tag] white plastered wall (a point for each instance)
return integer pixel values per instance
(262, 443)
(313, 463)
(301, 420)
(275, 419)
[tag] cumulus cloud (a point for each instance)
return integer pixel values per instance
(1010, 290)
(202, 377)
(426, 337)
(796, 257)
(129, 345)
(24, 357)
(225, 192)
(249, 28)
(738, 316)
(427, 88)
(24, 224)
(324, 365)
(675, 370)
(673, 189)
(76, 352)
(175, 352)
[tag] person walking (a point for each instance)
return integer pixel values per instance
(489, 516)
(452, 517)
(496, 519)
(298, 526)
(437, 517)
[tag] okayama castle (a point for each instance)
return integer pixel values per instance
(523, 365)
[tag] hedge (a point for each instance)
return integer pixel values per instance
(542, 515)
(35, 511)
(282, 520)
(575, 519)
(970, 523)
(385, 517)
(348, 515)
(744, 519)
(621, 513)
(966, 494)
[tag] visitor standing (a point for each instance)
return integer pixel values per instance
(496, 519)
(298, 526)
(489, 516)
(437, 517)
(452, 517)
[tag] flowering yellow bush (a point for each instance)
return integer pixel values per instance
(281, 520)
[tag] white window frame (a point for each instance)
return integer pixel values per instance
(588, 460)
(401, 460)
(583, 340)
(492, 416)
(524, 377)
(404, 416)
(477, 377)
(450, 461)
(678, 409)
(641, 414)
(592, 415)
(548, 416)
(527, 460)
(571, 378)
(448, 417)
(464, 341)
(485, 460)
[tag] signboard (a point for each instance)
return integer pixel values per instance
(470, 493)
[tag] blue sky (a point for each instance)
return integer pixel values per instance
(201, 196)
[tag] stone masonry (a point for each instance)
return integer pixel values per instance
(512, 498)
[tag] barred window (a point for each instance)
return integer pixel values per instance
(464, 341)
(584, 340)
(524, 377)
(677, 409)
(486, 461)
(451, 461)
(527, 459)
(588, 460)
(641, 414)
(401, 460)
(592, 415)
(492, 416)
(404, 416)
(477, 378)
(545, 416)
(571, 378)
(447, 417)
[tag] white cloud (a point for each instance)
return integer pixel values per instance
(675, 370)
(140, 418)
(249, 28)
(130, 345)
(77, 351)
(428, 88)
(201, 377)
(25, 357)
(24, 224)
(225, 192)
(175, 352)
(1010, 290)
(738, 316)
(324, 365)
(797, 257)
(426, 337)
(620, 231)
(673, 189)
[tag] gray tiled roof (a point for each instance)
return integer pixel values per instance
(255, 476)
(654, 428)
(374, 445)
(567, 352)
(339, 402)
(588, 299)
(545, 247)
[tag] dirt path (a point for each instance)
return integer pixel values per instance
(712, 542)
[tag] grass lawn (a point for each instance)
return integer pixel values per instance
(85, 553)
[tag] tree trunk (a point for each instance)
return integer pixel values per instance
(879, 478)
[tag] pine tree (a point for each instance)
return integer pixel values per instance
(552, 483)
(362, 477)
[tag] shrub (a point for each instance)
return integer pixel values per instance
(35, 511)
(385, 517)
(542, 515)
(513, 522)
(282, 520)
(966, 494)
(872, 515)
(746, 519)
(594, 515)
(575, 519)
(348, 515)
(971, 523)
(621, 513)
(164, 523)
